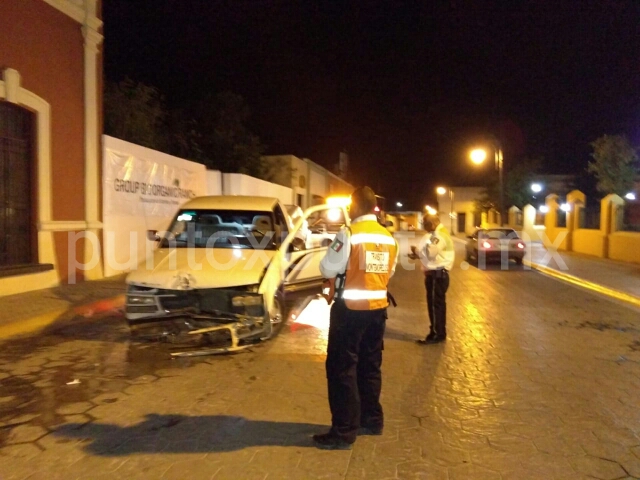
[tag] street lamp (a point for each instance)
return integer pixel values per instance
(430, 210)
(442, 191)
(479, 155)
(398, 204)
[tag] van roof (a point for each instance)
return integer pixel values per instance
(231, 202)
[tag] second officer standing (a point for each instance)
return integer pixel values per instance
(436, 252)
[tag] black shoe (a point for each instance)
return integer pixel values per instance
(370, 431)
(431, 341)
(328, 441)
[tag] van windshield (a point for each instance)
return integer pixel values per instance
(222, 229)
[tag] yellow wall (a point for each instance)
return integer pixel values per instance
(589, 242)
(553, 233)
(625, 246)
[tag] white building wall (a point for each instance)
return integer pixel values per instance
(142, 190)
(214, 182)
(317, 184)
(464, 199)
(239, 184)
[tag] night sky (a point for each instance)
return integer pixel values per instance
(406, 88)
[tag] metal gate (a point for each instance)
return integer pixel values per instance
(16, 134)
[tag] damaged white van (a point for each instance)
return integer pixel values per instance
(220, 273)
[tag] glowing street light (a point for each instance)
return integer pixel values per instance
(543, 209)
(430, 210)
(536, 187)
(479, 155)
(398, 204)
(565, 207)
(630, 196)
(442, 191)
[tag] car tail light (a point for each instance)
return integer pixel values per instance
(486, 244)
(520, 245)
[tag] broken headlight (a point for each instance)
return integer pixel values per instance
(140, 300)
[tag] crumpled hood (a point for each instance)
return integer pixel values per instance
(187, 268)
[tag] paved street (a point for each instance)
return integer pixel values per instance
(537, 380)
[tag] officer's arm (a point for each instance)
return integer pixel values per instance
(422, 250)
(448, 250)
(337, 256)
(395, 261)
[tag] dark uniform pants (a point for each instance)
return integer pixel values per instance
(436, 283)
(354, 358)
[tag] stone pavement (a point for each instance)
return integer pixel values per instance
(538, 380)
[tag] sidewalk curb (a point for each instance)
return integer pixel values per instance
(30, 325)
(610, 292)
(39, 322)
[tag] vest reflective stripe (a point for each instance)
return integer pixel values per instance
(382, 239)
(352, 294)
(367, 290)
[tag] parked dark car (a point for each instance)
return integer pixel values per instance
(495, 244)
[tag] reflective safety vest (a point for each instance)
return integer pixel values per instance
(373, 251)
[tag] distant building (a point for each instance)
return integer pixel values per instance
(310, 182)
(50, 124)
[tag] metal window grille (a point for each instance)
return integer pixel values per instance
(561, 219)
(590, 217)
(631, 217)
(16, 140)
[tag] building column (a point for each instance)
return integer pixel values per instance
(92, 187)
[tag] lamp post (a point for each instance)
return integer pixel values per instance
(479, 155)
(442, 191)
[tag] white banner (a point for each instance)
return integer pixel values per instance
(142, 190)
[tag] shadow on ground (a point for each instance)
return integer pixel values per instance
(187, 434)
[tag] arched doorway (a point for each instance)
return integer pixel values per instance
(16, 168)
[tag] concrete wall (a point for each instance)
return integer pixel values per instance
(625, 246)
(309, 182)
(239, 184)
(214, 182)
(464, 199)
(150, 205)
(605, 242)
(589, 242)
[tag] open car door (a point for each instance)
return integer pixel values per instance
(297, 269)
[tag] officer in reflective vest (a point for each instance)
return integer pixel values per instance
(362, 258)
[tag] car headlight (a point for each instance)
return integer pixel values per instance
(140, 300)
(247, 300)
